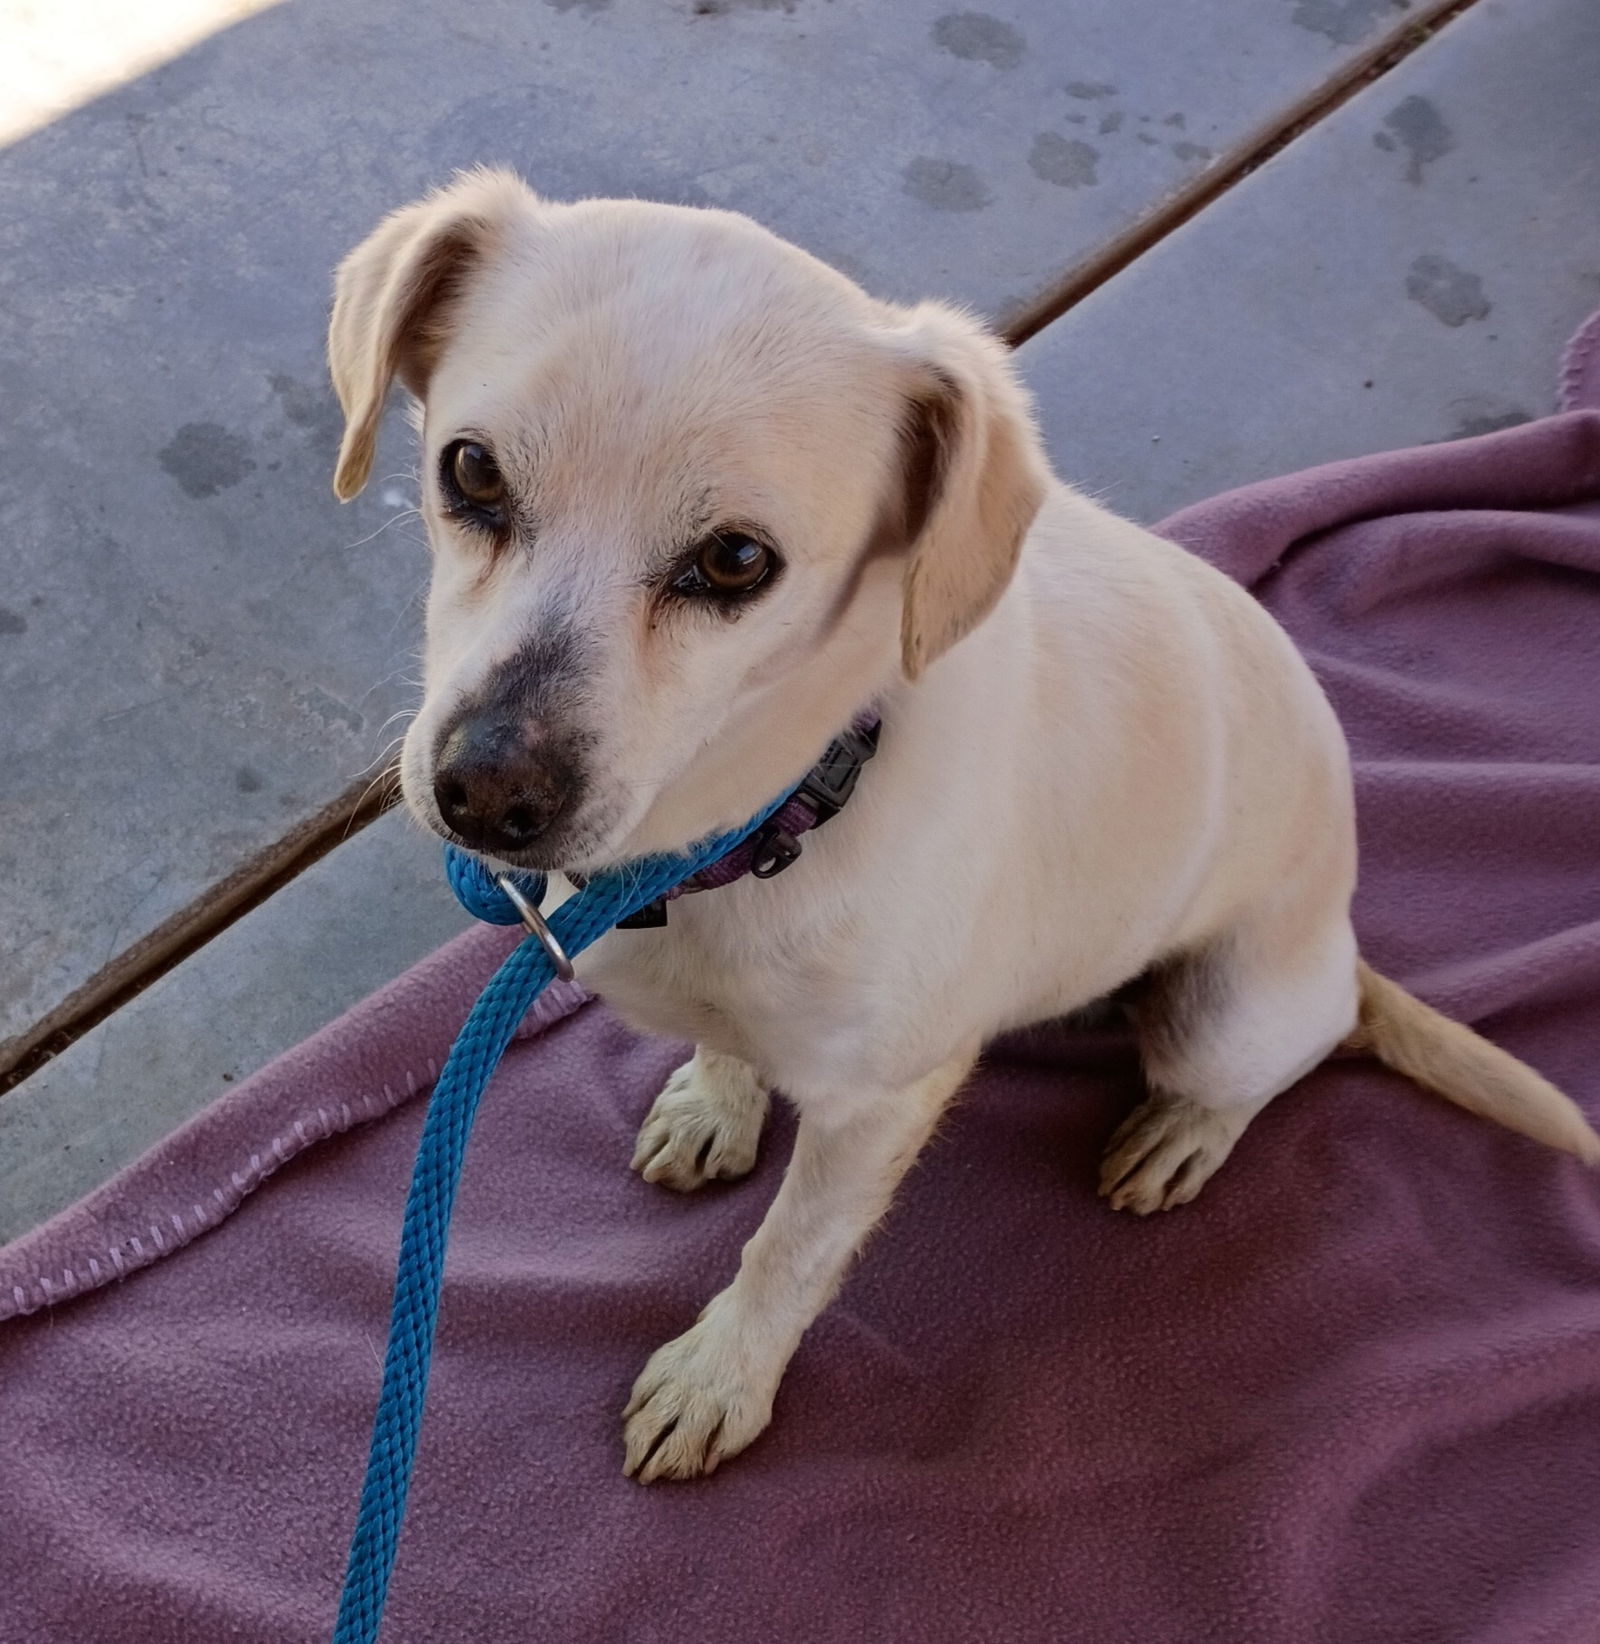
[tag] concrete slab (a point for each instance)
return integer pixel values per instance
(346, 926)
(198, 654)
(1406, 272)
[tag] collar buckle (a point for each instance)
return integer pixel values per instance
(827, 786)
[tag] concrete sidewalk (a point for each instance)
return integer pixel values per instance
(201, 652)
(1403, 270)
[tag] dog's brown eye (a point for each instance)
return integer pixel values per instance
(475, 475)
(727, 563)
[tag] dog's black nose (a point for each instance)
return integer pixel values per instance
(494, 791)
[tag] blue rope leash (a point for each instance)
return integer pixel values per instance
(473, 1058)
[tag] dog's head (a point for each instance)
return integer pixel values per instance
(694, 500)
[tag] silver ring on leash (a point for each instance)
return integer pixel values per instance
(533, 923)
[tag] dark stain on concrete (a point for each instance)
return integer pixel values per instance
(312, 699)
(1111, 122)
(247, 780)
(851, 266)
(721, 8)
(1064, 161)
(1089, 90)
(1345, 22)
(1175, 120)
(312, 408)
(1451, 294)
(980, 38)
(1191, 151)
(1420, 127)
(204, 458)
(946, 185)
(1145, 137)
(578, 5)
(1489, 422)
(12, 622)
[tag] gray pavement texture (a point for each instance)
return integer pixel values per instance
(199, 652)
(350, 923)
(1408, 271)
(1404, 272)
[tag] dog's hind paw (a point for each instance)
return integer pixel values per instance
(705, 1126)
(1165, 1151)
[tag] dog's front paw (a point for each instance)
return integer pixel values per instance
(1165, 1151)
(696, 1403)
(705, 1125)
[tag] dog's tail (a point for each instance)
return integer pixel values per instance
(1456, 1063)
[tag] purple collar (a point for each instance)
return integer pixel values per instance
(775, 845)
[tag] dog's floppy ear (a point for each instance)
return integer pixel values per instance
(975, 475)
(392, 299)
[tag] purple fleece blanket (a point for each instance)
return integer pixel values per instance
(1351, 1396)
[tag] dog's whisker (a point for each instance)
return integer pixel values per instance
(394, 519)
(387, 760)
(390, 775)
(399, 713)
(407, 610)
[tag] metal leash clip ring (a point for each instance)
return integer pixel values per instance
(533, 922)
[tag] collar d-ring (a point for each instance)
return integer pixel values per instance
(533, 922)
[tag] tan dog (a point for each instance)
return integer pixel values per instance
(696, 501)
